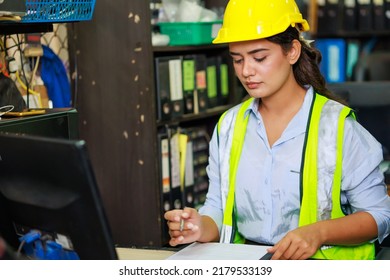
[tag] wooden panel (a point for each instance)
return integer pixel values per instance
(114, 97)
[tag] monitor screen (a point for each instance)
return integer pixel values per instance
(48, 185)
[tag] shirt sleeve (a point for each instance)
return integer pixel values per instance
(363, 183)
(213, 204)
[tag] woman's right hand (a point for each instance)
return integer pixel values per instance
(190, 231)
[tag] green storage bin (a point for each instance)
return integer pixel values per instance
(190, 33)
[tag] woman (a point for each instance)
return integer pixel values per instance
(290, 166)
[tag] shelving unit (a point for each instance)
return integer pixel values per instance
(210, 113)
(368, 96)
(113, 62)
(193, 118)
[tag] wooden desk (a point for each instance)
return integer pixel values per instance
(143, 254)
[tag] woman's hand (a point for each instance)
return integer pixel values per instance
(184, 225)
(298, 244)
(303, 242)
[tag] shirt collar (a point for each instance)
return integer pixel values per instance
(300, 119)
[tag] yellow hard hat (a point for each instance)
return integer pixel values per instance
(255, 19)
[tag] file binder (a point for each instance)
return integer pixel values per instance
(329, 16)
(321, 45)
(186, 170)
(365, 15)
(350, 12)
(212, 82)
(387, 13)
(189, 179)
(321, 17)
(379, 17)
(353, 51)
(176, 86)
(333, 64)
(165, 180)
(188, 83)
(333, 16)
(164, 108)
(174, 146)
(201, 97)
(183, 138)
(223, 79)
(200, 140)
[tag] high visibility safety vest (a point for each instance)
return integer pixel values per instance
(320, 181)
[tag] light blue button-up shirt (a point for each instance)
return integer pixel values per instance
(267, 192)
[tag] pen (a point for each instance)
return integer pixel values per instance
(181, 224)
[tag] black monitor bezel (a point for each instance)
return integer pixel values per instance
(49, 184)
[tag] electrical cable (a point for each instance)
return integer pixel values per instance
(19, 251)
(24, 73)
(34, 71)
(8, 108)
(28, 89)
(3, 60)
(75, 75)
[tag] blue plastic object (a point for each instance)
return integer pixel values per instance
(58, 10)
(37, 247)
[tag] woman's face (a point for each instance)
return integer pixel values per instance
(262, 67)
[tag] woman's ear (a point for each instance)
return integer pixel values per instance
(295, 51)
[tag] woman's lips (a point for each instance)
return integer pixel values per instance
(252, 85)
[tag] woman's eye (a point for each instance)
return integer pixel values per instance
(260, 59)
(237, 61)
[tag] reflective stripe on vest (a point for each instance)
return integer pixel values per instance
(320, 176)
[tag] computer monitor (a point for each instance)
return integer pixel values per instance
(54, 123)
(48, 184)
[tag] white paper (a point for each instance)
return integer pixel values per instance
(220, 251)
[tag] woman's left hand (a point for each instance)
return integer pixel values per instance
(298, 244)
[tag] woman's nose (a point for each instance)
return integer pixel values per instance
(247, 69)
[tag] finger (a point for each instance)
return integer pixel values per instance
(291, 251)
(188, 213)
(173, 215)
(279, 250)
(188, 227)
(189, 219)
(176, 241)
(176, 233)
(305, 256)
(173, 225)
(181, 237)
(272, 249)
(298, 255)
(303, 252)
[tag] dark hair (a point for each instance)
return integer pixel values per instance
(306, 69)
